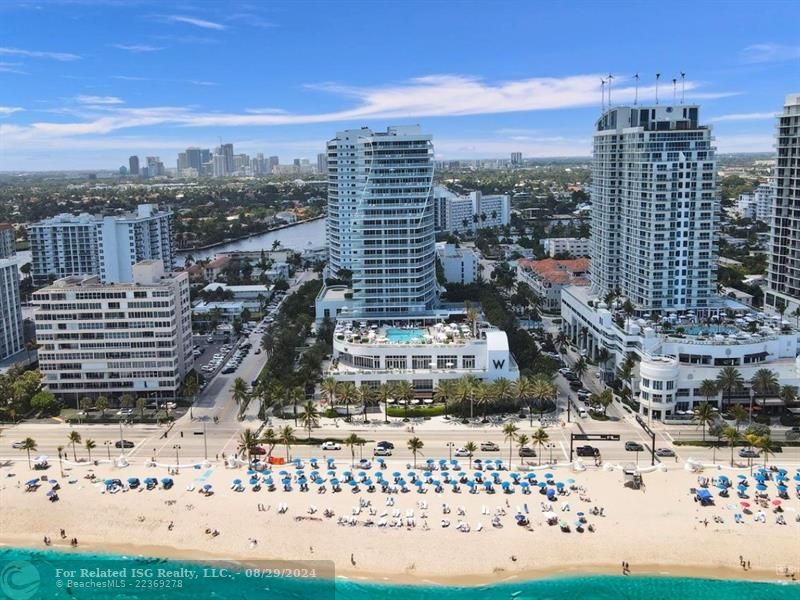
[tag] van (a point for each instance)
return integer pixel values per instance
(582, 413)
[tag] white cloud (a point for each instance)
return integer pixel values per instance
(190, 81)
(9, 110)
(265, 111)
(758, 116)
(196, 22)
(99, 100)
(61, 56)
(453, 148)
(137, 48)
(11, 67)
(762, 53)
(431, 96)
(745, 142)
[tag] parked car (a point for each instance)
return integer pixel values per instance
(665, 452)
(462, 452)
(490, 447)
(124, 412)
(124, 444)
(381, 451)
(748, 453)
(17, 445)
(587, 451)
(526, 452)
(259, 450)
(388, 445)
(575, 384)
(633, 447)
(330, 446)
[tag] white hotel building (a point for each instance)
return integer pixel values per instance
(112, 339)
(85, 244)
(454, 213)
(380, 227)
(654, 241)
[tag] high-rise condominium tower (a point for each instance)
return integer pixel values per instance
(133, 165)
(784, 257)
(655, 207)
(380, 218)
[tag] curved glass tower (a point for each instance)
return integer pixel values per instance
(380, 224)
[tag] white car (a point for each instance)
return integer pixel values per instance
(462, 452)
(381, 451)
(122, 412)
(17, 445)
(330, 446)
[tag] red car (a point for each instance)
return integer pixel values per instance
(259, 450)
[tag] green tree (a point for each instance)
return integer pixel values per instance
(540, 438)
(510, 433)
(90, 445)
(240, 393)
(764, 444)
(415, 445)
(704, 415)
(523, 391)
(74, 438)
(286, 437)
(347, 392)
(385, 392)
(522, 440)
(729, 379)
(764, 383)
(351, 441)
(739, 415)
(102, 404)
(542, 390)
(29, 445)
(708, 388)
(731, 435)
(484, 397)
(445, 390)
(580, 367)
(44, 402)
(248, 441)
(296, 395)
(471, 447)
(310, 416)
(405, 392)
(368, 395)
(141, 404)
(269, 439)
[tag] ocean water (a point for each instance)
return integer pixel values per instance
(33, 574)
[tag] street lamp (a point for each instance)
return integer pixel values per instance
(450, 449)
(550, 447)
(107, 444)
(752, 397)
(177, 448)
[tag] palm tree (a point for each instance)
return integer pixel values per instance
(367, 394)
(604, 399)
(764, 444)
(542, 390)
(352, 441)
(296, 394)
(415, 445)
(248, 441)
(540, 438)
(522, 440)
(102, 404)
(347, 391)
(484, 396)
(141, 404)
(385, 392)
(28, 444)
(286, 437)
(465, 390)
(310, 416)
(523, 390)
(240, 391)
(328, 389)
(405, 392)
(444, 391)
(269, 438)
(708, 388)
(705, 415)
(90, 445)
(764, 382)
(74, 438)
(729, 379)
(580, 367)
(561, 340)
(739, 415)
(60, 449)
(471, 447)
(510, 432)
(731, 435)
(788, 394)
(502, 389)
(191, 387)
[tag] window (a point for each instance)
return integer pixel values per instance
(468, 362)
(421, 362)
(658, 385)
(396, 362)
(446, 361)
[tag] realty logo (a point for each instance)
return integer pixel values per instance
(19, 580)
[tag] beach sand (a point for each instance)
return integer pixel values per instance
(658, 530)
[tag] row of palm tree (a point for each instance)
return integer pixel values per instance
(272, 394)
(30, 445)
(512, 434)
(249, 440)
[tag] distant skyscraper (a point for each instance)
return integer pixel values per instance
(655, 207)
(155, 168)
(322, 163)
(219, 166)
(783, 274)
(183, 162)
(133, 165)
(8, 246)
(273, 162)
(380, 218)
(85, 244)
(516, 158)
(296, 163)
(10, 309)
(226, 150)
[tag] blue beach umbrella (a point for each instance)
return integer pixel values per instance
(352, 483)
(548, 476)
(525, 485)
(237, 481)
(334, 482)
(782, 488)
(761, 487)
(207, 487)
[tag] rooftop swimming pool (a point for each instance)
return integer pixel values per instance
(709, 330)
(400, 336)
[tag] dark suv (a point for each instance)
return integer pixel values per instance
(587, 451)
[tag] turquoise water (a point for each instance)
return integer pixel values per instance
(397, 335)
(27, 574)
(709, 329)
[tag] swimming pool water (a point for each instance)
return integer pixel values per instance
(708, 329)
(397, 335)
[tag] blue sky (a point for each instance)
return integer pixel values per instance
(86, 83)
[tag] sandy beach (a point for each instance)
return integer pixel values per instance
(658, 530)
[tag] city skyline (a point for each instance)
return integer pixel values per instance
(91, 101)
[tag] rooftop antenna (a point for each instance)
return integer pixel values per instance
(636, 96)
(603, 95)
(658, 76)
(683, 85)
(610, 77)
(674, 90)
